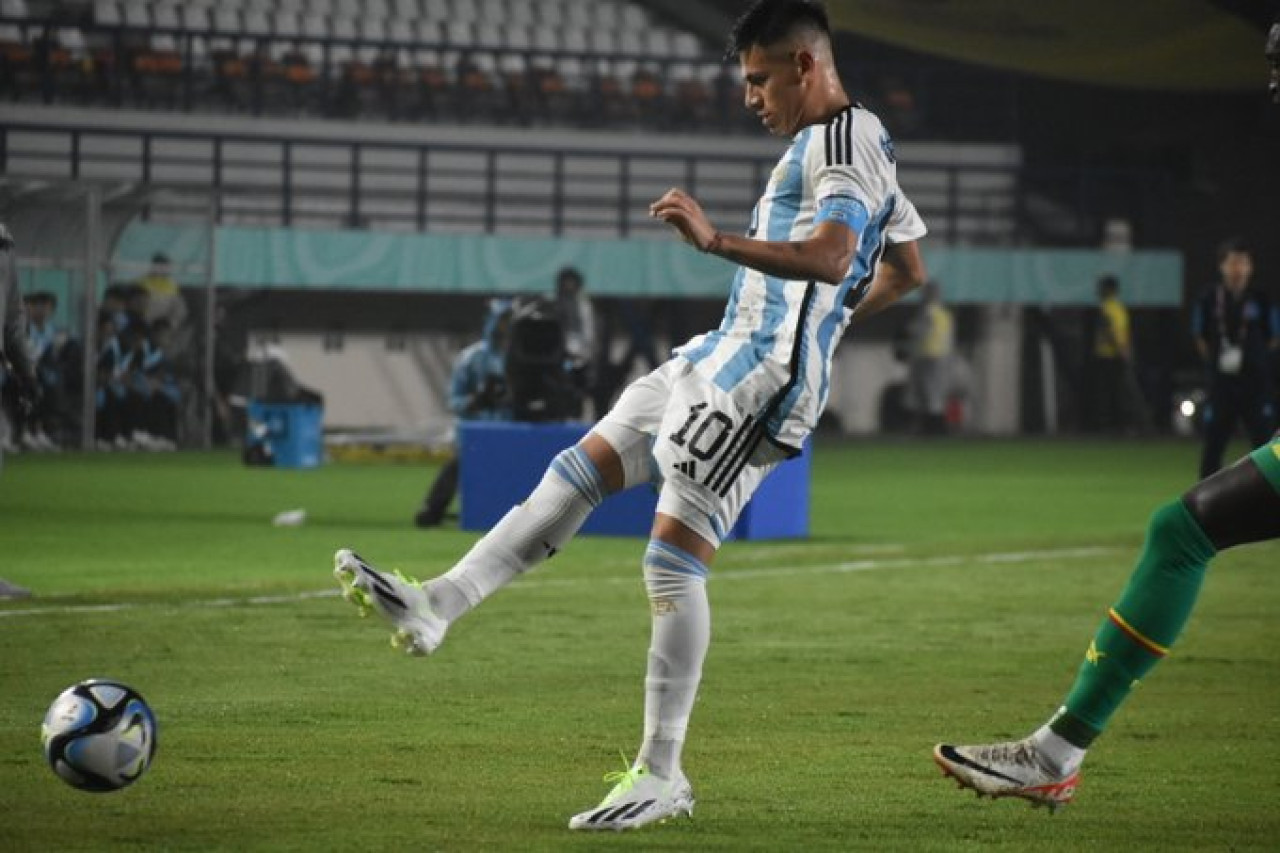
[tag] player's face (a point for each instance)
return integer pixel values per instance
(774, 87)
(1236, 269)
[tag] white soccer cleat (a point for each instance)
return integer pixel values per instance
(637, 799)
(400, 600)
(1010, 769)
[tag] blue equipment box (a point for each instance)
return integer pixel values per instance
(501, 462)
(293, 432)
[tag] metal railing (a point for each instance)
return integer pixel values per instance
(479, 188)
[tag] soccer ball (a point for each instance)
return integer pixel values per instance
(99, 735)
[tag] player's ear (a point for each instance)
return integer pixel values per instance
(804, 62)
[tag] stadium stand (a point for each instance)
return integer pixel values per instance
(509, 61)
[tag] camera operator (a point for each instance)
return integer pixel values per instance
(477, 391)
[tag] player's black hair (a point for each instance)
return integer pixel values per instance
(1231, 245)
(768, 22)
(1108, 284)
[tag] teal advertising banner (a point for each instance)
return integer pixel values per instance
(663, 267)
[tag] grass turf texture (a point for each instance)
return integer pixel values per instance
(835, 664)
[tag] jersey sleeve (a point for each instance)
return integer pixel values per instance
(854, 159)
(905, 224)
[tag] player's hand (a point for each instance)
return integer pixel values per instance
(683, 213)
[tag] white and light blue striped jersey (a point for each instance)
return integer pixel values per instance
(778, 336)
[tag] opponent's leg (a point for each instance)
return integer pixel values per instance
(1234, 507)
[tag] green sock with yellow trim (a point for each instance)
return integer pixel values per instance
(1142, 626)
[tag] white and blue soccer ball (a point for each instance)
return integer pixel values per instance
(99, 735)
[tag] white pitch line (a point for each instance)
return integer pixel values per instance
(538, 581)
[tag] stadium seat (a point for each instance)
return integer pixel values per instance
(489, 36)
(574, 40)
(106, 13)
(401, 31)
(14, 9)
(256, 22)
(136, 15)
(522, 14)
(196, 19)
(437, 10)
(657, 43)
(406, 10)
(465, 11)
(427, 31)
(458, 34)
(685, 46)
(551, 13)
(634, 18)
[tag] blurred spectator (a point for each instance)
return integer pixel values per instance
(42, 429)
(634, 317)
(112, 370)
(166, 302)
(577, 319)
(932, 345)
(1118, 405)
(477, 391)
(900, 111)
(115, 304)
(229, 365)
(155, 391)
(1234, 330)
(17, 368)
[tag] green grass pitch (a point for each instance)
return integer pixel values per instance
(948, 592)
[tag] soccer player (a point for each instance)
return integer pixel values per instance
(832, 239)
(1238, 505)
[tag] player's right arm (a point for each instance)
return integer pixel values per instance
(825, 256)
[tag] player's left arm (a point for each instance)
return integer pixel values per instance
(824, 256)
(900, 271)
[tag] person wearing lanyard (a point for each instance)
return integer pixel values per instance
(1235, 330)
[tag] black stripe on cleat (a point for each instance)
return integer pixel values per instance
(637, 810)
(951, 754)
(382, 589)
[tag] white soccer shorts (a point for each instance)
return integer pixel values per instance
(703, 446)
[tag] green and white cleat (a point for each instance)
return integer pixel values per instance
(400, 600)
(638, 798)
(1010, 769)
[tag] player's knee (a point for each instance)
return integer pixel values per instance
(575, 467)
(1177, 537)
(1167, 522)
(671, 573)
(622, 455)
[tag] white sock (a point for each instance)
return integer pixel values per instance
(528, 534)
(1064, 756)
(676, 583)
